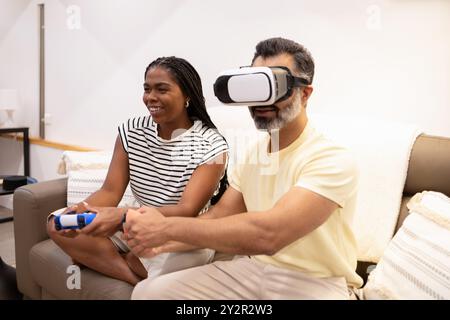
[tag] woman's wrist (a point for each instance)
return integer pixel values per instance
(123, 217)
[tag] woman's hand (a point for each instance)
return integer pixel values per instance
(74, 209)
(107, 221)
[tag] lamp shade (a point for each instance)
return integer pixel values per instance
(9, 99)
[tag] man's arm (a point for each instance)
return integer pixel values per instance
(296, 214)
(231, 202)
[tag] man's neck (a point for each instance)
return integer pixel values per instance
(290, 132)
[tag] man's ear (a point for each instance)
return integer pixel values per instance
(306, 93)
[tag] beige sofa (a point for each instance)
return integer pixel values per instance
(42, 266)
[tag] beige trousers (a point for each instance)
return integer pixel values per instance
(241, 278)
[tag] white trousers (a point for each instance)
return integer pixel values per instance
(167, 262)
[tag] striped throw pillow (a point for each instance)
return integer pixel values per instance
(416, 263)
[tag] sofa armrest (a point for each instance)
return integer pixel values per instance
(32, 204)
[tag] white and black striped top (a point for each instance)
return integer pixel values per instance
(160, 169)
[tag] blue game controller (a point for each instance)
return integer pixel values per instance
(73, 221)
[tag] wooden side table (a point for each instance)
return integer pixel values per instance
(8, 283)
(26, 159)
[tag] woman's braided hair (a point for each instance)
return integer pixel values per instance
(190, 84)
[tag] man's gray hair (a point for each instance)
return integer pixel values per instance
(303, 60)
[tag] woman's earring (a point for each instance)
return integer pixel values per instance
(187, 104)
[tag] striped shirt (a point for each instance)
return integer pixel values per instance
(160, 169)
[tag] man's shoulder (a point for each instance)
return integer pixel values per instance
(321, 143)
(324, 149)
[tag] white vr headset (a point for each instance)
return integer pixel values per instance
(256, 86)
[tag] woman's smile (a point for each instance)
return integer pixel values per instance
(155, 110)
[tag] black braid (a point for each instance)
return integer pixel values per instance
(191, 85)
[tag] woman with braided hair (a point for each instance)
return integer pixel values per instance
(174, 160)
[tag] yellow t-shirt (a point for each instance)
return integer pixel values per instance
(319, 165)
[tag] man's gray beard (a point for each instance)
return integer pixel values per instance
(283, 117)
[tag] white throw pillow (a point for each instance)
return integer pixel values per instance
(416, 263)
(86, 172)
(78, 160)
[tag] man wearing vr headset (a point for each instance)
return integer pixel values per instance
(290, 229)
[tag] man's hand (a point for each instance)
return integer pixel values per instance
(107, 221)
(145, 229)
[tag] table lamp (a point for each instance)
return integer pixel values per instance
(8, 102)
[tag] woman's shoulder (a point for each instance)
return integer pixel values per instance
(137, 122)
(211, 135)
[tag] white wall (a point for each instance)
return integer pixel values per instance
(382, 58)
(19, 68)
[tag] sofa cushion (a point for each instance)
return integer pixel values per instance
(49, 266)
(79, 160)
(82, 183)
(416, 264)
(86, 172)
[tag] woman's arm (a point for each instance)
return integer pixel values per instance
(196, 194)
(113, 188)
(105, 200)
(199, 189)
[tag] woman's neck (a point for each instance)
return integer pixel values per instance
(170, 130)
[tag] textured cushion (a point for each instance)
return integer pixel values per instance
(86, 172)
(77, 160)
(416, 264)
(81, 183)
